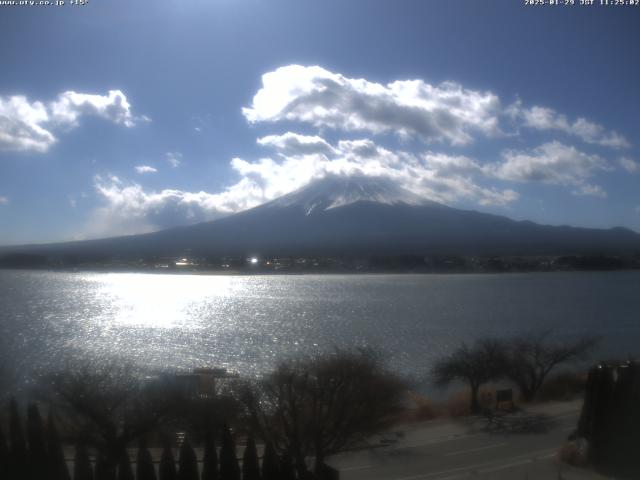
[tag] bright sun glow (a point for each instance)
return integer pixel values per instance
(158, 300)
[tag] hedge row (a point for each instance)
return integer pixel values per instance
(39, 455)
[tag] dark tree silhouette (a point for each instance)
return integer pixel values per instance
(210, 458)
(18, 464)
(37, 444)
(250, 464)
(270, 463)
(318, 407)
(167, 465)
(144, 465)
(104, 470)
(82, 469)
(200, 415)
(229, 467)
(187, 463)
(531, 358)
(112, 406)
(125, 472)
(57, 466)
(287, 472)
(4, 457)
(476, 365)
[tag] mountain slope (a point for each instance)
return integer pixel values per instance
(358, 216)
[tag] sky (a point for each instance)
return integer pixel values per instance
(120, 117)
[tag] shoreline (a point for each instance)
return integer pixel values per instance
(319, 272)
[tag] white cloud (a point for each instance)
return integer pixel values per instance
(27, 126)
(550, 163)
(448, 179)
(174, 159)
(590, 190)
(71, 105)
(295, 144)
(446, 112)
(362, 148)
(128, 208)
(629, 165)
(543, 118)
(21, 125)
(447, 165)
(439, 177)
(142, 169)
(3, 200)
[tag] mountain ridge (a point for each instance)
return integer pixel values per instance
(351, 216)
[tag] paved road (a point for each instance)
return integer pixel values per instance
(449, 450)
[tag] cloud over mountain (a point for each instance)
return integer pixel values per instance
(409, 108)
(445, 119)
(448, 113)
(295, 144)
(128, 207)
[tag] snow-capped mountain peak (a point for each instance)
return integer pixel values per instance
(337, 191)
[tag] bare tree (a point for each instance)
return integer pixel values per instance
(531, 358)
(318, 407)
(475, 365)
(109, 407)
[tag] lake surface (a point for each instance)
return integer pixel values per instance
(247, 323)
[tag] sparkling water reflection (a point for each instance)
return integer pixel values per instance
(247, 323)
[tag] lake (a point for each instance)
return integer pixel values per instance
(49, 320)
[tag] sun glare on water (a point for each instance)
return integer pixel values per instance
(159, 301)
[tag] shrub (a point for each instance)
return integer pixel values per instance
(167, 465)
(270, 467)
(104, 469)
(144, 468)
(37, 444)
(229, 468)
(188, 462)
(17, 444)
(124, 467)
(424, 408)
(57, 464)
(459, 404)
(4, 457)
(210, 459)
(250, 465)
(82, 469)
(564, 386)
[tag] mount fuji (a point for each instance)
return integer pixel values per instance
(350, 216)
